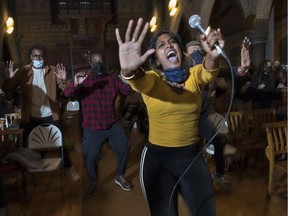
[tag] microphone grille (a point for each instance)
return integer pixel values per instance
(194, 20)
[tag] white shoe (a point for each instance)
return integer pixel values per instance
(74, 174)
(210, 149)
(229, 149)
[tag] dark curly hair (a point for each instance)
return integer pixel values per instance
(39, 47)
(152, 45)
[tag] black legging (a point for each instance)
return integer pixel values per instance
(161, 168)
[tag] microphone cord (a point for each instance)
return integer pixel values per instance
(206, 145)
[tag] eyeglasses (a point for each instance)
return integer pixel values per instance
(98, 60)
(34, 56)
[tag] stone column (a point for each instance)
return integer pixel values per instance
(258, 51)
(258, 37)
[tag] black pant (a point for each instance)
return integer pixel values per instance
(206, 131)
(92, 144)
(2, 194)
(162, 170)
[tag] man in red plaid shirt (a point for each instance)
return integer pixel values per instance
(97, 91)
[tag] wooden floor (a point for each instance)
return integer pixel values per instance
(247, 199)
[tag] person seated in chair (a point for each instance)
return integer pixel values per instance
(207, 130)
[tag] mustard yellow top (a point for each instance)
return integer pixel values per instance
(173, 118)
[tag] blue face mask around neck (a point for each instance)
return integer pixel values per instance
(177, 74)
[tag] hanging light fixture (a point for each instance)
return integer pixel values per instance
(153, 24)
(172, 7)
(10, 25)
(173, 11)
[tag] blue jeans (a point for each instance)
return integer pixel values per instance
(92, 144)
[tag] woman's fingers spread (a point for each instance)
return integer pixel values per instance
(137, 29)
(143, 33)
(128, 31)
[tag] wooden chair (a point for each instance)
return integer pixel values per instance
(277, 147)
(2, 124)
(247, 143)
(220, 124)
(10, 141)
(47, 138)
(260, 117)
(238, 122)
(10, 119)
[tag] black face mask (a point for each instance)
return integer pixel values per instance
(98, 69)
(266, 74)
(267, 70)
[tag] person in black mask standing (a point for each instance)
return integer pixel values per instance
(97, 91)
(263, 83)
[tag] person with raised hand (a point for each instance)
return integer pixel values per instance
(171, 161)
(41, 86)
(97, 90)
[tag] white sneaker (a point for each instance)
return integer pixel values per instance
(210, 149)
(229, 149)
(74, 174)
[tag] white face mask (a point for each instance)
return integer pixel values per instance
(38, 63)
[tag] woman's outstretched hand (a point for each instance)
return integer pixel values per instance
(130, 50)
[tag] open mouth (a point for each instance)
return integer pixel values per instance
(172, 56)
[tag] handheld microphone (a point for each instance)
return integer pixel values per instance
(195, 23)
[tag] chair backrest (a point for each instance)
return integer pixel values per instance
(219, 123)
(262, 116)
(238, 122)
(2, 124)
(45, 136)
(10, 118)
(10, 140)
(73, 106)
(277, 139)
